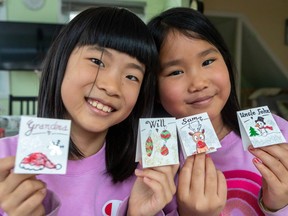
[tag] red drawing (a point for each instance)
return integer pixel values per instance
(38, 161)
(165, 135)
(199, 138)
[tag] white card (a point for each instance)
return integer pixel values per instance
(197, 135)
(42, 146)
(258, 127)
(157, 142)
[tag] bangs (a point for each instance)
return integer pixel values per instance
(122, 31)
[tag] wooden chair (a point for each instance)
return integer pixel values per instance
(27, 105)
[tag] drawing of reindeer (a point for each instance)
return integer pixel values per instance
(198, 136)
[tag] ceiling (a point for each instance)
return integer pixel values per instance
(137, 7)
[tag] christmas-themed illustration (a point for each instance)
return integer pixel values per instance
(197, 135)
(149, 146)
(165, 135)
(262, 127)
(55, 148)
(43, 145)
(157, 142)
(253, 132)
(258, 127)
(38, 161)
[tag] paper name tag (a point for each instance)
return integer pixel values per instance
(197, 135)
(42, 146)
(157, 142)
(258, 127)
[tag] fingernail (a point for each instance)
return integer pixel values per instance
(251, 148)
(257, 160)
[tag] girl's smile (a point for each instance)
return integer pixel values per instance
(201, 101)
(106, 81)
(193, 77)
(99, 106)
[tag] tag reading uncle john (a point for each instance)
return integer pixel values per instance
(42, 146)
(197, 135)
(157, 142)
(258, 127)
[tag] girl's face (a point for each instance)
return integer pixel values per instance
(96, 106)
(193, 77)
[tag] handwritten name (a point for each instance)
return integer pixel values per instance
(156, 124)
(189, 120)
(49, 127)
(250, 113)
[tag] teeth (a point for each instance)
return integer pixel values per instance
(100, 106)
(105, 109)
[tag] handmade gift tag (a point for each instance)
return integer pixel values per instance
(157, 142)
(197, 135)
(42, 146)
(258, 127)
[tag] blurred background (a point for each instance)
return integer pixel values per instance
(256, 32)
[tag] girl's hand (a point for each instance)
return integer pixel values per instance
(20, 194)
(153, 190)
(272, 163)
(202, 189)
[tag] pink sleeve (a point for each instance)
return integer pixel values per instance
(51, 204)
(281, 212)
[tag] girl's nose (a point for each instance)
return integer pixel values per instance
(108, 82)
(197, 82)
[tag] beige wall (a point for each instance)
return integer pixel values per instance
(266, 16)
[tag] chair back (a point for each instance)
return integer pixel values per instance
(27, 105)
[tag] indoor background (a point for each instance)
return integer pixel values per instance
(256, 32)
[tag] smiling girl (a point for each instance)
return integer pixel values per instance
(196, 75)
(98, 73)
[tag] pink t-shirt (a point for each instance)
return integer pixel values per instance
(243, 179)
(85, 189)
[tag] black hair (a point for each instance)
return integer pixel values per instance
(108, 27)
(194, 24)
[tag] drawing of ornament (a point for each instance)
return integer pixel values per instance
(149, 145)
(165, 135)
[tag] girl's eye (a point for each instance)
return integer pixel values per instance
(133, 78)
(208, 62)
(98, 62)
(175, 73)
